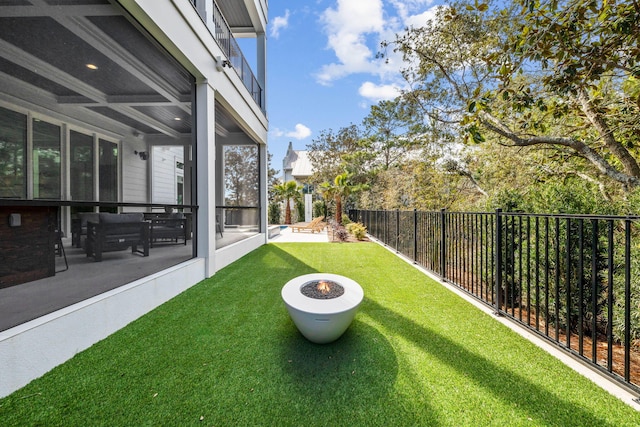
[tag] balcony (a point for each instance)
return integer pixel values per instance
(222, 32)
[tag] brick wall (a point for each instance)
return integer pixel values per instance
(27, 251)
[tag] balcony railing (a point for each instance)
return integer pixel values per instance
(223, 35)
(572, 279)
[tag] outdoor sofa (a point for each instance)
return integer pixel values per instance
(116, 232)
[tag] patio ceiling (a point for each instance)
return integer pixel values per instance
(236, 13)
(85, 59)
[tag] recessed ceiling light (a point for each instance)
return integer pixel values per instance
(92, 66)
(177, 119)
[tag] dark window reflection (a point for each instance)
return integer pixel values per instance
(81, 166)
(108, 171)
(13, 144)
(46, 160)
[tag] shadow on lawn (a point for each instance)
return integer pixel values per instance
(507, 385)
(355, 374)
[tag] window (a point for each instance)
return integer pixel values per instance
(46, 160)
(241, 207)
(241, 175)
(13, 144)
(108, 171)
(81, 170)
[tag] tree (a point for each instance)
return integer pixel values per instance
(393, 130)
(339, 190)
(241, 175)
(286, 192)
(514, 74)
(272, 179)
(333, 152)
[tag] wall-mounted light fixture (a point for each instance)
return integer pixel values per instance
(143, 154)
(221, 63)
(15, 220)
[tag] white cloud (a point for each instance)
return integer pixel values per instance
(355, 29)
(414, 13)
(279, 23)
(275, 132)
(301, 132)
(347, 27)
(377, 93)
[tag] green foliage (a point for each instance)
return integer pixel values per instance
(339, 190)
(300, 209)
(618, 324)
(507, 199)
(331, 153)
(319, 208)
(533, 77)
(274, 213)
(286, 192)
(357, 229)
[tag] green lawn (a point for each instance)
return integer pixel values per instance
(225, 353)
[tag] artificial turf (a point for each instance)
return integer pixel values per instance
(225, 353)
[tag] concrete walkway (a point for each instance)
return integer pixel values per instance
(286, 235)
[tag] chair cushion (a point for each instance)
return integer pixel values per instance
(88, 216)
(109, 218)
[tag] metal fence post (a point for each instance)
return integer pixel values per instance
(498, 249)
(443, 247)
(397, 229)
(415, 236)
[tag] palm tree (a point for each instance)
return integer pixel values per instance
(340, 189)
(287, 191)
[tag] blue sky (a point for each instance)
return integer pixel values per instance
(322, 67)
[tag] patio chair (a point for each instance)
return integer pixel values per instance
(313, 226)
(79, 227)
(59, 249)
(116, 232)
(171, 227)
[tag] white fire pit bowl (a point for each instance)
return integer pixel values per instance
(322, 320)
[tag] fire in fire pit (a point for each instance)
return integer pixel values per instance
(322, 289)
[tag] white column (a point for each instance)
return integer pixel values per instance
(205, 160)
(308, 207)
(264, 221)
(261, 49)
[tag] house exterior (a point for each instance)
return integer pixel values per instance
(296, 166)
(123, 106)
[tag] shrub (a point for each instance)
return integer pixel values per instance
(274, 213)
(345, 219)
(341, 233)
(300, 210)
(357, 229)
(319, 208)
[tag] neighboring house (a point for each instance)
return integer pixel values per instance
(121, 106)
(296, 166)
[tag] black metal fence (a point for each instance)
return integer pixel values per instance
(572, 279)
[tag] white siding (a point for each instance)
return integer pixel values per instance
(164, 173)
(134, 176)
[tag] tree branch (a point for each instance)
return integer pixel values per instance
(628, 162)
(588, 153)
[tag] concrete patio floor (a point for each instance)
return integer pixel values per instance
(287, 235)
